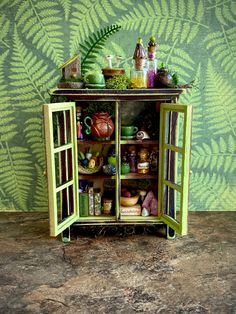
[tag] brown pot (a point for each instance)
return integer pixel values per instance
(101, 125)
(163, 78)
(110, 72)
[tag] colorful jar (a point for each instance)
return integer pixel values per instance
(138, 79)
(143, 162)
(107, 206)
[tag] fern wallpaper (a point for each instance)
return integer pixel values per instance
(196, 38)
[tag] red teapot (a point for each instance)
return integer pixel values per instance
(101, 125)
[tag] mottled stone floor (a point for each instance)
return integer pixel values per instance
(119, 273)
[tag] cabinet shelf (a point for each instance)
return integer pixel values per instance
(93, 142)
(140, 142)
(122, 176)
(139, 176)
(95, 176)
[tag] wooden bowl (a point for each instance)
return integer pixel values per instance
(129, 201)
(110, 72)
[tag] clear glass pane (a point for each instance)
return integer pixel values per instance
(180, 129)
(139, 116)
(172, 202)
(63, 167)
(174, 128)
(61, 127)
(65, 203)
(173, 166)
(179, 160)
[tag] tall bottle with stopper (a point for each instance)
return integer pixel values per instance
(138, 73)
(152, 63)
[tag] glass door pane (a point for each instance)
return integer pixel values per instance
(61, 149)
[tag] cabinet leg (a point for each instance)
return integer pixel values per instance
(170, 233)
(65, 235)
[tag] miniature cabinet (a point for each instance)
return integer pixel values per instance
(101, 194)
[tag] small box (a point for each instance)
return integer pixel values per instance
(83, 204)
(134, 210)
(97, 203)
(91, 201)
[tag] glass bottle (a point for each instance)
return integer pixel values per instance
(152, 62)
(151, 72)
(143, 162)
(138, 75)
(79, 123)
(154, 160)
(132, 159)
(138, 78)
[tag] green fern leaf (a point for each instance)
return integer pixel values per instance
(66, 5)
(222, 46)
(166, 18)
(214, 157)
(40, 202)
(177, 59)
(8, 127)
(220, 99)
(34, 137)
(225, 11)
(29, 78)
(194, 97)
(15, 174)
(228, 199)
(89, 48)
(4, 29)
(121, 4)
(5, 203)
(87, 17)
(206, 190)
(38, 21)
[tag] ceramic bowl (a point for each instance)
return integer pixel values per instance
(109, 170)
(129, 201)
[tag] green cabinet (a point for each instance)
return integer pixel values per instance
(106, 192)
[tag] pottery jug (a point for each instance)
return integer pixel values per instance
(163, 78)
(100, 125)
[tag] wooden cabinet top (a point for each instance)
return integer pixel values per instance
(168, 94)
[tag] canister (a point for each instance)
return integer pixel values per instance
(107, 206)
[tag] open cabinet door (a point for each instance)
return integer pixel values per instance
(174, 160)
(62, 173)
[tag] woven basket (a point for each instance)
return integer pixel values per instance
(83, 170)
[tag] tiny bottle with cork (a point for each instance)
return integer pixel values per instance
(132, 159)
(138, 75)
(152, 63)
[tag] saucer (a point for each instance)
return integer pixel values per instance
(95, 86)
(130, 137)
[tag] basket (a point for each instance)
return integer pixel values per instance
(83, 170)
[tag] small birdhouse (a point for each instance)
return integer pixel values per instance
(71, 69)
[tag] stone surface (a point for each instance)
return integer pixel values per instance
(122, 271)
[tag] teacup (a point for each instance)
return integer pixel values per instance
(95, 78)
(128, 130)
